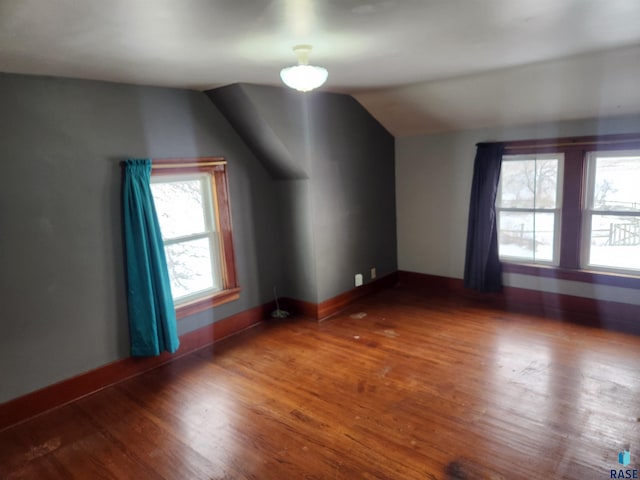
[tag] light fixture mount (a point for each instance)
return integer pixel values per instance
(303, 77)
(302, 52)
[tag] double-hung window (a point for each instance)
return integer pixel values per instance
(528, 208)
(611, 233)
(570, 208)
(192, 203)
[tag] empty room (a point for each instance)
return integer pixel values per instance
(304, 239)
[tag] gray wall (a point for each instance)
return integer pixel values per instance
(261, 131)
(353, 194)
(433, 184)
(61, 278)
(341, 220)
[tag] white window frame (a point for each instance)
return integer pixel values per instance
(210, 232)
(557, 211)
(588, 210)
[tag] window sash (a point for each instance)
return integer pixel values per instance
(208, 196)
(586, 254)
(214, 265)
(591, 166)
(558, 156)
(555, 242)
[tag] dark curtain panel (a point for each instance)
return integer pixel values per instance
(482, 269)
(152, 317)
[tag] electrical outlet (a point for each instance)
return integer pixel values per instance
(358, 279)
(373, 273)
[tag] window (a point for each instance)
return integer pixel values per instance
(570, 208)
(612, 214)
(191, 199)
(528, 207)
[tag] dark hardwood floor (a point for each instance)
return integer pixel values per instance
(402, 385)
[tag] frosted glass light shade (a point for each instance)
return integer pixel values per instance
(304, 77)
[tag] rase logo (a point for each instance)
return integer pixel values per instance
(624, 459)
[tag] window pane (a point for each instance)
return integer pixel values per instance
(546, 183)
(526, 236)
(529, 183)
(544, 236)
(179, 207)
(517, 182)
(617, 183)
(190, 267)
(615, 242)
(515, 237)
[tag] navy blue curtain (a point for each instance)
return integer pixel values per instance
(152, 318)
(482, 269)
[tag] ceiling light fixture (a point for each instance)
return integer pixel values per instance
(303, 77)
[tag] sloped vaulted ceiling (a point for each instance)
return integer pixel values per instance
(419, 66)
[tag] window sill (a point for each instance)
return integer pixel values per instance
(585, 276)
(206, 303)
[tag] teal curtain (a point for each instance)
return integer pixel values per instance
(152, 318)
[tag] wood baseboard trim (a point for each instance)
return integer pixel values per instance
(436, 282)
(340, 302)
(34, 403)
(300, 307)
(622, 317)
(323, 310)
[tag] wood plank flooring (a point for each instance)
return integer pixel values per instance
(402, 385)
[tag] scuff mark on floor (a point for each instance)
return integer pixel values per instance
(387, 333)
(44, 449)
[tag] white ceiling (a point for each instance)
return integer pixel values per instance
(419, 66)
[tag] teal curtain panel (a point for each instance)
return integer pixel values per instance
(152, 318)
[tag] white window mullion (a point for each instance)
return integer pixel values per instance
(186, 238)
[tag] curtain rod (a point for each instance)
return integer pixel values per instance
(183, 165)
(571, 144)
